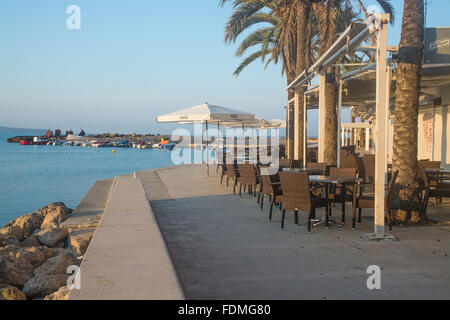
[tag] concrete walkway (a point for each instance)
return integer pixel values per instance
(224, 247)
(127, 257)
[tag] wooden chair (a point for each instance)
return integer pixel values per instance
(270, 185)
(361, 201)
(297, 196)
(339, 194)
(284, 163)
(317, 165)
(248, 178)
(233, 174)
(440, 190)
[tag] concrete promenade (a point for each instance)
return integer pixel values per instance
(127, 257)
(224, 247)
(196, 240)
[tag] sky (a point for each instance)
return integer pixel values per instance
(131, 61)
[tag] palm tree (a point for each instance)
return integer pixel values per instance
(333, 17)
(407, 105)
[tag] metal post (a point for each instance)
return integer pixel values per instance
(339, 122)
(380, 128)
(297, 106)
(207, 155)
(322, 118)
(305, 139)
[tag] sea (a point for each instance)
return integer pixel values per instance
(34, 176)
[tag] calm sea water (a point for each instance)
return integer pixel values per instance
(34, 176)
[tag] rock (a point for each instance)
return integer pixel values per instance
(11, 241)
(28, 223)
(68, 252)
(35, 255)
(43, 285)
(52, 236)
(54, 217)
(31, 241)
(51, 207)
(15, 271)
(79, 240)
(12, 293)
(54, 265)
(61, 294)
(11, 231)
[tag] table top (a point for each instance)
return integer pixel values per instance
(329, 179)
(296, 170)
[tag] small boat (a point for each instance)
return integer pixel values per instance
(26, 142)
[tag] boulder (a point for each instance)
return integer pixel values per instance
(11, 293)
(79, 240)
(54, 265)
(11, 241)
(15, 271)
(11, 231)
(61, 294)
(54, 217)
(51, 207)
(31, 241)
(40, 286)
(28, 223)
(34, 255)
(52, 236)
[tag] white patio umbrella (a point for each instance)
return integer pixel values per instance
(206, 113)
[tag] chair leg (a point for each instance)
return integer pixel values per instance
(343, 212)
(240, 189)
(309, 220)
(282, 218)
(390, 220)
(327, 221)
(296, 216)
(259, 197)
(359, 215)
(270, 212)
(262, 201)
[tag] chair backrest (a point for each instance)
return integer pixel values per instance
(284, 163)
(297, 163)
(296, 193)
(230, 170)
(266, 181)
(389, 193)
(430, 164)
(348, 161)
(422, 175)
(369, 168)
(312, 154)
(247, 173)
(317, 165)
(343, 172)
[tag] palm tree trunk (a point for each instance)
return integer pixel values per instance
(407, 106)
(303, 15)
(330, 142)
(291, 122)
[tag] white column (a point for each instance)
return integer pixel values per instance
(322, 118)
(367, 139)
(296, 128)
(339, 120)
(342, 136)
(305, 131)
(380, 130)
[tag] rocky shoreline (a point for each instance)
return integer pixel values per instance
(35, 251)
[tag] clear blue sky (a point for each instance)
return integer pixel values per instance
(131, 61)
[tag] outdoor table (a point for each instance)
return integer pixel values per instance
(310, 171)
(326, 181)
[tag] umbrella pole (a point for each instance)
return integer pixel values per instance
(207, 156)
